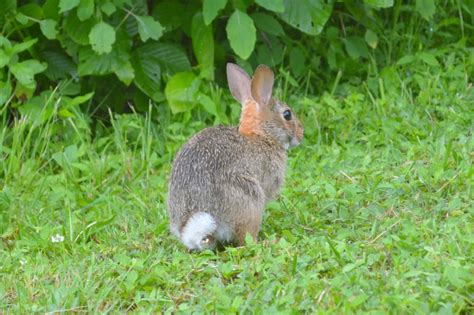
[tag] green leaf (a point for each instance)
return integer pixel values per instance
(208, 104)
(78, 100)
(297, 61)
(309, 16)
(428, 59)
(108, 8)
(102, 37)
(92, 64)
(271, 53)
(203, 46)
(118, 62)
(69, 87)
(22, 19)
(122, 3)
(349, 267)
(4, 42)
(6, 8)
(130, 280)
(172, 57)
(65, 5)
(79, 30)
(51, 10)
(85, 9)
(18, 48)
(150, 60)
(147, 74)
(64, 113)
(60, 65)
(241, 33)
(210, 8)
(48, 28)
(457, 276)
(371, 39)
(426, 8)
(181, 91)
(406, 60)
(380, 3)
(272, 5)
(149, 28)
(356, 47)
(5, 92)
(169, 14)
(125, 73)
(102, 223)
(32, 10)
(25, 71)
(139, 8)
(4, 58)
(267, 24)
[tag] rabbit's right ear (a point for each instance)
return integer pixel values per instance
(239, 83)
(262, 85)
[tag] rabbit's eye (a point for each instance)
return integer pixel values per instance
(287, 114)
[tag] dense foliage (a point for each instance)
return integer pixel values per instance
(120, 54)
(376, 216)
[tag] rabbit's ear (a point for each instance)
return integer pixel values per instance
(262, 85)
(239, 83)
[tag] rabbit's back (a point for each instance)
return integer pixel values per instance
(219, 171)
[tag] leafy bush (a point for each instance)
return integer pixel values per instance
(128, 52)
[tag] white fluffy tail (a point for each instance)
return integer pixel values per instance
(199, 225)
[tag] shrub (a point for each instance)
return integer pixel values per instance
(171, 52)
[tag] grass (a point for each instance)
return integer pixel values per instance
(376, 214)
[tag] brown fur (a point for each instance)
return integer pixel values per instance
(250, 120)
(230, 173)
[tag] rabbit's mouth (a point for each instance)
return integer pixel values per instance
(297, 137)
(290, 142)
(294, 142)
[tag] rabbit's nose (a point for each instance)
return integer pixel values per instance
(299, 132)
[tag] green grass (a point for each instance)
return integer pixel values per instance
(376, 214)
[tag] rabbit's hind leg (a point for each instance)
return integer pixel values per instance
(247, 201)
(250, 226)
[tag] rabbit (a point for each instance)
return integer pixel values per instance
(223, 176)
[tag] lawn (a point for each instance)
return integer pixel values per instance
(376, 214)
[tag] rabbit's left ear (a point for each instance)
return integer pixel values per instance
(239, 83)
(262, 85)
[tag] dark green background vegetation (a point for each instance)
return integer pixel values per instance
(122, 53)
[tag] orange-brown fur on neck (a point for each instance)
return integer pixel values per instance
(251, 119)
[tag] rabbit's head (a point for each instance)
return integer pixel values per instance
(261, 114)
